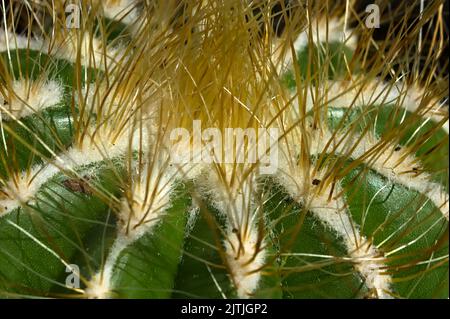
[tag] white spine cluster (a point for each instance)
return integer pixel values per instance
(29, 98)
(148, 201)
(233, 195)
(124, 11)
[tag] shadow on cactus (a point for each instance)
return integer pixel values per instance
(223, 149)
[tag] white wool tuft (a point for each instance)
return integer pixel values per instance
(150, 201)
(29, 98)
(137, 216)
(320, 31)
(11, 41)
(233, 196)
(357, 94)
(245, 260)
(91, 49)
(325, 31)
(123, 10)
(99, 286)
(24, 187)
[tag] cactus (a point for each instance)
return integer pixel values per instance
(335, 186)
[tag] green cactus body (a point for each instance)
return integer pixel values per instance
(93, 205)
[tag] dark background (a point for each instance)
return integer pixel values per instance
(392, 11)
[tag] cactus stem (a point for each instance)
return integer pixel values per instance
(125, 90)
(331, 211)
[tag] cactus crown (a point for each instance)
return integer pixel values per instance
(275, 149)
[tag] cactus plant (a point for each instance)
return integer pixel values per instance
(335, 186)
